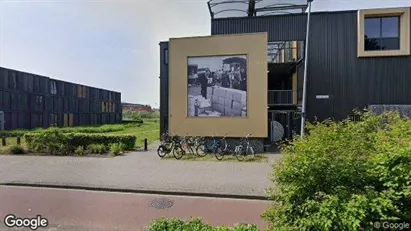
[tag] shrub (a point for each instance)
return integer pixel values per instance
(195, 224)
(16, 149)
(97, 148)
(115, 149)
(84, 140)
(79, 150)
(139, 115)
(51, 141)
(95, 129)
(344, 175)
(58, 140)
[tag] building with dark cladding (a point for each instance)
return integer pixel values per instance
(356, 59)
(30, 101)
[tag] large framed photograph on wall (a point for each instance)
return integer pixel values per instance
(217, 86)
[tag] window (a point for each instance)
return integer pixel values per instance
(166, 56)
(79, 91)
(36, 83)
(53, 120)
(53, 87)
(39, 105)
(13, 80)
(384, 32)
(84, 95)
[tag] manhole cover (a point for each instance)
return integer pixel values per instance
(162, 203)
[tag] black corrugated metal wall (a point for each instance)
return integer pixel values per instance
(30, 101)
(163, 87)
(334, 68)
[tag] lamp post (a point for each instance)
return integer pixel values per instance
(304, 107)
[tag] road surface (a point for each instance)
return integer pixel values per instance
(78, 210)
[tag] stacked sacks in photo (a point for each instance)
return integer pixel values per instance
(229, 102)
(204, 103)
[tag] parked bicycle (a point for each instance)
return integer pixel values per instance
(206, 147)
(244, 149)
(188, 144)
(170, 144)
(222, 149)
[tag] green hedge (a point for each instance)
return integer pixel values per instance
(16, 133)
(80, 129)
(195, 224)
(344, 175)
(55, 141)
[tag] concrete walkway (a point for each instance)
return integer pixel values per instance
(139, 172)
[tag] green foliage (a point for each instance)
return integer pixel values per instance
(344, 175)
(195, 224)
(136, 123)
(97, 148)
(51, 141)
(16, 149)
(79, 150)
(117, 148)
(80, 129)
(56, 142)
(140, 115)
(85, 140)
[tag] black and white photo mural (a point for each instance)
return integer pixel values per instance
(217, 86)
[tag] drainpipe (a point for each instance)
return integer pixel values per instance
(304, 107)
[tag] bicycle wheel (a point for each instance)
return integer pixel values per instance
(219, 153)
(178, 152)
(240, 153)
(201, 150)
(161, 151)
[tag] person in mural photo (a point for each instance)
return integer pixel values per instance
(204, 80)
(243, 81)
(225, 79)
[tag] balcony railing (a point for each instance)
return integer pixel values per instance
(285, 52)
(281, 97)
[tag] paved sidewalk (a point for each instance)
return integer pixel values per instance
(138, 171)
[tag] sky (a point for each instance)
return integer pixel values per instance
(111, 44)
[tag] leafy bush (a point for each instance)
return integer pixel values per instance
(79, 150)
(16, 149)
(140, 115)
(115, 149)
(51, 141)
(54, 141)
(80, 129)
(95, 129)
(195, 224)
(344, 175)
(97, 148)
(85, 140)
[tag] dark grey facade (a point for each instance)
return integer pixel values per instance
(163, 87)
(30, 101)
(333, 66)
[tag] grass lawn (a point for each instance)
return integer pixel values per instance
(150, 129)
(259, 158)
